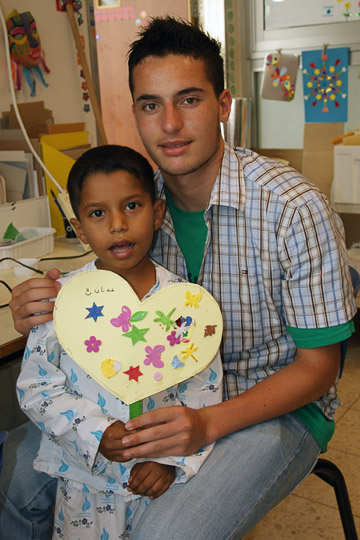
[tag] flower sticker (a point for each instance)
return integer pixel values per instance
(174, 338)
(92, 344)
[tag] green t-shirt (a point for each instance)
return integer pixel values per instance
(189, 225)
(192, 225)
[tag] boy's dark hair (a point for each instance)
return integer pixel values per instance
(107, 159)
(168, 35)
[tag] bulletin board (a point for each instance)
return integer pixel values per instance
(116, 28)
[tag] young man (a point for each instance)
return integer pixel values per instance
(267, 244)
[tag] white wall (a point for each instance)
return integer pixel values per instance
(281, 124)
(63, 96)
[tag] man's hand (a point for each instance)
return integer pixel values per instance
(27, 300)
(181, 431)
(110, 445)
(171, 431)
(151, 479)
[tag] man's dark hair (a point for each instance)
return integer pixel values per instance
(107, 159)
(167, 35)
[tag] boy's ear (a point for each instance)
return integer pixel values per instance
(79, 230)
(159, 210)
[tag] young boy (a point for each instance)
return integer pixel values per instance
(111, 189)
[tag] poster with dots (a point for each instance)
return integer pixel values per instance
(325, 82)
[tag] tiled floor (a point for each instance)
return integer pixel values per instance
(311, 512)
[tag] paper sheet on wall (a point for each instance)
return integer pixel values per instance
(325, 82)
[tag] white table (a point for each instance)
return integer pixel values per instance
(10, 340)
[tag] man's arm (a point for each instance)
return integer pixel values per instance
(28, 300)
(182, 431)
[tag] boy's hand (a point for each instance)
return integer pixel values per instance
(28, 298)
(151, 479)
(110, 445)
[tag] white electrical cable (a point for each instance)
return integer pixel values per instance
(17, 113)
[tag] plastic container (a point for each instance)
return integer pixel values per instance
(33, 248)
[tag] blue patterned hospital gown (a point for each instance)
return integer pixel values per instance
(73, 411)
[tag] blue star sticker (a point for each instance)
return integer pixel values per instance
(94, 312)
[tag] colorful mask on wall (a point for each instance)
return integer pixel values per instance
(25, 49)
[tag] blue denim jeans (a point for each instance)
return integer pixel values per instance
(246, 475)
(26, 496)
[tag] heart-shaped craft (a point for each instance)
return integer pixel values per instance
(133, 348)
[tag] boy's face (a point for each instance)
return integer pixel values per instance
(117, 218)
(177, 113)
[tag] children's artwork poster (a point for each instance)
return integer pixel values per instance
(325, 82)
(136, 348)
(279, 76)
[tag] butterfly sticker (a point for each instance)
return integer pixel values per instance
(192, 300)
(123, 320)
(154, 356)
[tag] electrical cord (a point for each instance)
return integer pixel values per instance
(16, 109)
(63, 258)
(8, 288)
(36, 269)
(22, 264)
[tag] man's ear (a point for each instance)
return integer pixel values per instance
(225, 100)
(159, 210)
(79, 230)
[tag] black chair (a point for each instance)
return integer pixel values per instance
(328, 471)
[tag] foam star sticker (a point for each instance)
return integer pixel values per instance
(94, 312)
(136, 334)
(134, 373)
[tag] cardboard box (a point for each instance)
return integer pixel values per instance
(318, 160)
(292, 155)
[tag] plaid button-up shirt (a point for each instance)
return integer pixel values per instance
(274, 257)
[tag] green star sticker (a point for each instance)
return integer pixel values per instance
(136, 334)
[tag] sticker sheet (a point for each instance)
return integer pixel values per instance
(133, 348)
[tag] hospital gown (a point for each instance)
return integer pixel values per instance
(73, 411)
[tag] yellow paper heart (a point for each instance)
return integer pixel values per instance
(132, 348)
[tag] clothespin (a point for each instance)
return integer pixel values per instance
(324, 56)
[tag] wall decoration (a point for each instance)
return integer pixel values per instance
(325, 82)
(292, 13)
(25, 50)
(132, 348)
(279, 76)
(115, 14)
(348, 7)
